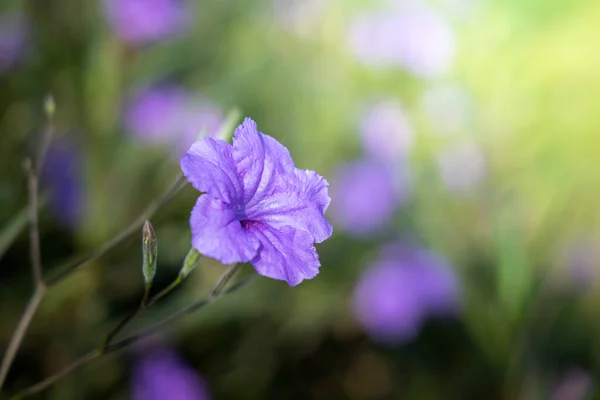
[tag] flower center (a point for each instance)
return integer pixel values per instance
(239, 212)
(247, 223)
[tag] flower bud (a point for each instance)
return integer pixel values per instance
(149, 252)
(192, 260)
(49, 106)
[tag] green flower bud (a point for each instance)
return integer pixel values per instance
(49, 106)
(192, 260)
(149, 252)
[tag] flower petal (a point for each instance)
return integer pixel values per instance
(301, 205)
(208, 166)
(286, 254)
(217, 234)
(261, 162)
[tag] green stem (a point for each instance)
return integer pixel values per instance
(152, 208)
(145, 303)
(158, 327)
(165, 291)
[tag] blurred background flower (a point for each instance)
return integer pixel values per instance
(170, 116)
(574, 384)
(139, 22)
(14, 38)
(162, 374)
(416, 38)
(386, 132)
(365, 194)
(582, 260)
(62, 176)
(402, 288)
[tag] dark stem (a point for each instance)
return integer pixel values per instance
(165, 291)
(145, 303)
(19, 333)
(34, 233)
(152, 208)
(33, 172)
(124, 343)
(64, 372)
(40, 157)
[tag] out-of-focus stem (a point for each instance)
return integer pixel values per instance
(152, 208)
(19, 334)
(121, 344)
(33, 171)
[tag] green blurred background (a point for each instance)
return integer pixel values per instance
(529, 71)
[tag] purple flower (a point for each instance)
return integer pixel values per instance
(416, 38)
(14, 37)
(169, 115)
(258, 206)
(142, 21)
(163, 375)
(366, 194)
(386, 132)
(404, 287)
(62, 178)
(462, 167)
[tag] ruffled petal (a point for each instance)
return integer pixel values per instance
(218, 234)
(261, 162)
(301, 205)
(208, 166)
(286, 254)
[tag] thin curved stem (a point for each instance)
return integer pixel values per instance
(145, 303)
(61, 374)
(33, 172)
(124, 343)
(152, 208)
(178, 281)
(42, 286)
(11, 231)
(19, 334)
(34, 233)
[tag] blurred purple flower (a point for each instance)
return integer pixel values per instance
(386, 132)
(62, 178)
(365, 196)
(416, 38)
(386, 303)
(169, 115)
(139, 22)
(258, 206)
(163, 375)
(575, 384)
(404, 287)
(448, 109)
(462, 167)
(582, 259)
(14, 37)
(438, 288)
